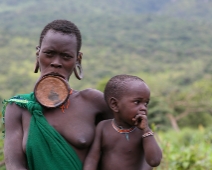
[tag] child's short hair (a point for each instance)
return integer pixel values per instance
(117, 85)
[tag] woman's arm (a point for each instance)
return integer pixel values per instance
(13, 150)
(93, 157)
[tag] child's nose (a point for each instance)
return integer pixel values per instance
(143, 107)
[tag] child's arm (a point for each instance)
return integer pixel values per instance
(152, 151)
(145, 165)
(92, 159)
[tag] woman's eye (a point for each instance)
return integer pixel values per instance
(49, 53)
(66, 56)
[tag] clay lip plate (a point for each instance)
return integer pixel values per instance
(52, 91)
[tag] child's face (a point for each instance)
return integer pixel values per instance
(134, 101)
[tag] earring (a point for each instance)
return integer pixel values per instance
(79, 75)
(37, 63)
(36, 67)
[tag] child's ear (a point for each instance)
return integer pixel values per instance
(113, 104)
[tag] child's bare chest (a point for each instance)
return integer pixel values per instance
(123, 143)
(121, 151)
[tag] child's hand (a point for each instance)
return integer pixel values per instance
(141, 121)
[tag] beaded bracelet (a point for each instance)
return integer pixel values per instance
(150, 133)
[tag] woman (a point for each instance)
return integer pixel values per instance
(40, 138)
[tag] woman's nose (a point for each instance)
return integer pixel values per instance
(56, 63)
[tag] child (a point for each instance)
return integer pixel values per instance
(125, 142)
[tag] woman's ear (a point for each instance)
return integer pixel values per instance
(79, 57)
(78, 71)
(37, 51)
(113, 104)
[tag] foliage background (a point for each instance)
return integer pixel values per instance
(166, 42)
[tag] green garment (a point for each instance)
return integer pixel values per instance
(46, 149)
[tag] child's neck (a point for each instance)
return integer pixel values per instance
(120, 129)
(120, 124)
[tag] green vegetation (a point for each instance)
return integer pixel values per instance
(166, 42)
(2, 167)
(187, 150)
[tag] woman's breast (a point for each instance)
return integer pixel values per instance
(79, 134)
(26, 116)
(79, 137)
(76, 126)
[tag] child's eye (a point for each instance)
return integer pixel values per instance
(137, 102)
(146, 103)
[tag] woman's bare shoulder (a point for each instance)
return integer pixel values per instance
(96, 99)
(91, 91)
(13, 110)
(93, 94)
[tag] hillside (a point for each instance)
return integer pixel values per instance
(166, 42)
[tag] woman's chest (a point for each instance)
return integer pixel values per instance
(76, 127)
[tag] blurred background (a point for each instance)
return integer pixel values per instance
(165, 42)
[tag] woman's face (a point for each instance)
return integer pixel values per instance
(58, 54)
